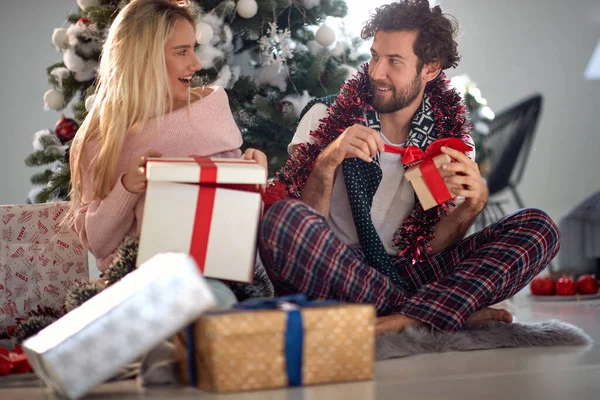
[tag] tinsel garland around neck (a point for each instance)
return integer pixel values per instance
(351, 105)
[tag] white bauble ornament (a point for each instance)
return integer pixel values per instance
(54, 100)
(338, 50)
(204, 33)
(60, 40)
(308, 4)
(247, 8)
(89, 102)
(325, 36)
(72, 61)
(83, 4)
(88, 73)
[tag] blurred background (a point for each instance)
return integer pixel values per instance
(530, 74)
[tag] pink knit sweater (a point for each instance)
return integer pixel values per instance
(207, 130)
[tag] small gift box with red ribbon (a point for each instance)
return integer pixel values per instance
(208, 208)
(278, 342)
(425, 176)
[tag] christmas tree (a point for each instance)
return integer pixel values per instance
(480, 117)
(271, 56)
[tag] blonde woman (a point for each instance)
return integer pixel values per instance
(143, 107)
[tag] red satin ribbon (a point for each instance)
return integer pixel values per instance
(205, 205)
(13, 362)
(204, 210)
(393, 149)
(414, 153)
(431, 175)
(434, 181)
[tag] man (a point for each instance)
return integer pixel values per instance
(355, 231)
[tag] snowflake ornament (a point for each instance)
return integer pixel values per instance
(275, 46)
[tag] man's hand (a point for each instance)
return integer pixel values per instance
(466, 181)
(357, 141)
(135, 180)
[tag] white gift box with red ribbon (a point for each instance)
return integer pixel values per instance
(208, 208)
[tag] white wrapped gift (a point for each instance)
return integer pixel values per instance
(91, 343)
(209, 208)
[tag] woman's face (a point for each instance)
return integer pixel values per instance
(181, 59)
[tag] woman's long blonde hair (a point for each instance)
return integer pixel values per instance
(133, 87)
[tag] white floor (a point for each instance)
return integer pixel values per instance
(540, 373)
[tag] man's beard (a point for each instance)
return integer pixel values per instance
(400, 98)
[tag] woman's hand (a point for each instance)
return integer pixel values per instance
(135, 180)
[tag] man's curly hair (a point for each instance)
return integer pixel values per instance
(436, 39)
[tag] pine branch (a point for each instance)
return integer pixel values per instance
(79, 111)
(79, 295)
(42, 178)
(44, 196)
(269, 10)
(70, 86)
(31, 326)
(124, 260)
(221, 8)
(53, 193)
(242, 92)
(205, 77)
(40, 158)
(265, 108)
(101, 15)
(335, 8)
(336, 77)
(62, 177)
(58, 187)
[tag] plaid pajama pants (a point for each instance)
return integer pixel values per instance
(302, 254)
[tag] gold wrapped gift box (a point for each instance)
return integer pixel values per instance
(245, 349)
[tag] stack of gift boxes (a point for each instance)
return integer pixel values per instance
(200, 220)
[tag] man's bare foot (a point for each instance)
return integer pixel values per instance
(490, 314)
(394, 323)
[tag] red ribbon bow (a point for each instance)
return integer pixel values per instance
(414, 153)
(429, 171)
(13, 362)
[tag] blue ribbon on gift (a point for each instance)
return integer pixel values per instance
(294, 333)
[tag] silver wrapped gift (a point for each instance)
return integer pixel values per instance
(91, 343)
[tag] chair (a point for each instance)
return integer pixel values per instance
(580, 238)
(510, 140)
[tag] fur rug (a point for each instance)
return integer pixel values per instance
(480, 336)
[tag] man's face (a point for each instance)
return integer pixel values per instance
(393, 73)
